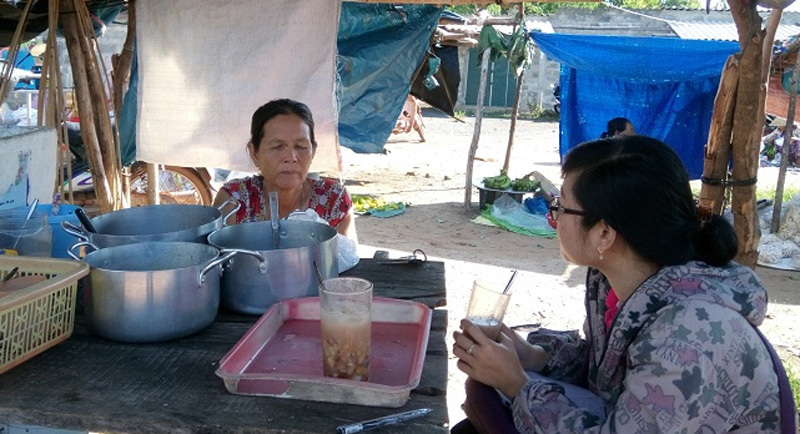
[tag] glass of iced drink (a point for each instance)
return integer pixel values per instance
(487, 306)
(345, 318)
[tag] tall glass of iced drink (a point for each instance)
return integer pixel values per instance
(487, 306)
(345, 317)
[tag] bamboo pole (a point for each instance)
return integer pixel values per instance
(97, 91)
(121, 75)
(51, 105)
(787, 142)
(476, 132)
(11, 55)
(718, 150)
(102, 186)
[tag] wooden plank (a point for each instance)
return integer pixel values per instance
(424, 282)
(88, 383)
(477, 2)
(718, 149)
(91, 384)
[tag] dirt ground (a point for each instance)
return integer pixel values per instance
(548, 290)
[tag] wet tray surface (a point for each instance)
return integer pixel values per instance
(281, 355)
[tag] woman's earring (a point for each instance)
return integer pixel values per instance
(600, 252)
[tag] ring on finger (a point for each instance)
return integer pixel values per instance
(470, 348)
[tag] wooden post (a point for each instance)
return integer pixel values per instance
(476, 131)
(515, 109)
(102, 187)
(513, 127)
(152, 186)
(744, 148)
(97, 91)
(121, 74)
(95, 123)
(718, 150)
(787, 142)
(121, 63)
(54, 111)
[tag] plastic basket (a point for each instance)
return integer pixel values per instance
(40, 316)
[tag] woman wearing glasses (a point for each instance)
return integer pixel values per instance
(670, 341)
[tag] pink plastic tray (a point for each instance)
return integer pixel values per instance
(281, 355)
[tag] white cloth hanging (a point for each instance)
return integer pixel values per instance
(205, 66)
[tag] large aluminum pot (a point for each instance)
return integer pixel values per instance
(262, 275)
(139, 224)
(152, 291)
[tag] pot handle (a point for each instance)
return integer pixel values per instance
(262, 262)
(233, 211)
(80, 244)
(75, 231)
(201, 277)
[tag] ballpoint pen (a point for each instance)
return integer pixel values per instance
(382, 421)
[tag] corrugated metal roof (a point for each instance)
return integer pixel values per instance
(722, 31)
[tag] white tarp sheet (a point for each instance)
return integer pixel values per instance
(205, 66)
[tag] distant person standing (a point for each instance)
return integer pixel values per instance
(618, 127)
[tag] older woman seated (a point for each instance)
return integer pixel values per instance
(282, 146)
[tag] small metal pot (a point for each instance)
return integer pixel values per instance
(190, 223)
(152, 291)
(262, 275)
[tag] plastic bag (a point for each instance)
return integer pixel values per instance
(537, 205)
(507, 210)
(346, 248)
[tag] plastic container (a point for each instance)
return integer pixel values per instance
(281, 355)
(62, 241)
(28, 237)
(40, 316)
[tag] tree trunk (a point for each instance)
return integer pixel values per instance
(718, 150)
(513, 126)
(515, 109)
(476, 132)
(744, 147)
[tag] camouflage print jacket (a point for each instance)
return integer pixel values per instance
(680, 357)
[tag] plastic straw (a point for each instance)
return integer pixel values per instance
(510, 281)
(319, 277)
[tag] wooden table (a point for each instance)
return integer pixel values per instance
(91, 384)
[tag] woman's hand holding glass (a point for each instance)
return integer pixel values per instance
(494, 363)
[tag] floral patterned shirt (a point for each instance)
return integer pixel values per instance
(681, 356)
(329, 199)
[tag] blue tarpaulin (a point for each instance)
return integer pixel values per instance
(665, 86)
(380, 47)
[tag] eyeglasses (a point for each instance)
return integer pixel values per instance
(556, 209)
